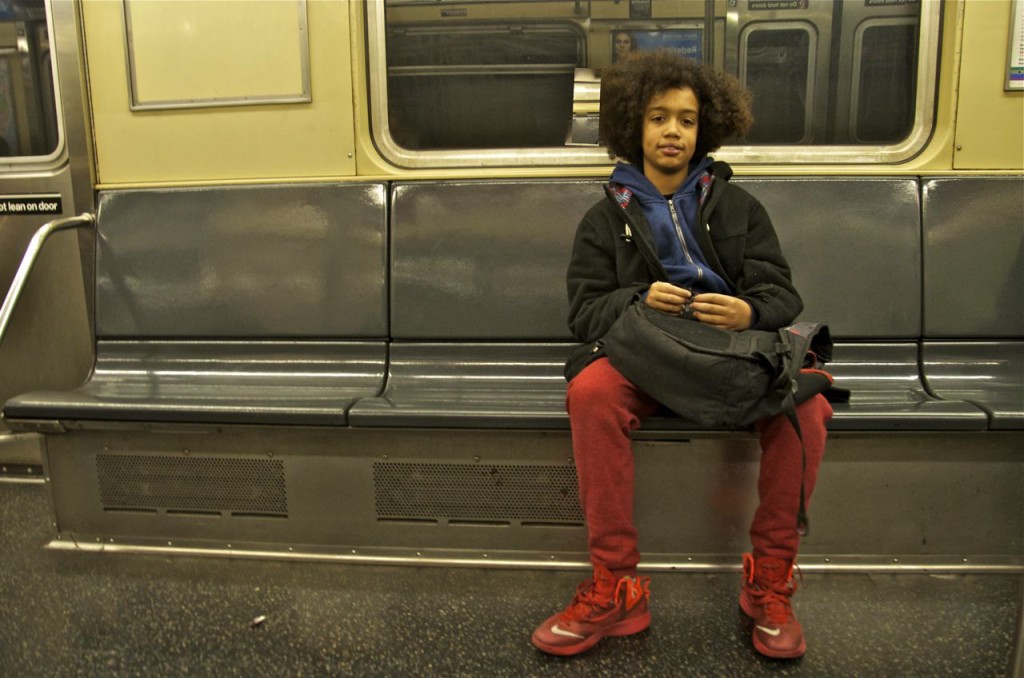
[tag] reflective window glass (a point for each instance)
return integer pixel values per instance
(777, 69)
(455, 79)
(481, 85)
(886, 79)
(28, 115)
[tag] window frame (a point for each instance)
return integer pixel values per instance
(575, 156)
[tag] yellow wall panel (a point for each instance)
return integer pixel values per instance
(990, 121)
(477, 11)
(234, 143)
(203, 50)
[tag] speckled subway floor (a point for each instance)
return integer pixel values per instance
(87, 614)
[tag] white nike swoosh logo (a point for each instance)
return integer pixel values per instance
(770, 632)
(562, 632)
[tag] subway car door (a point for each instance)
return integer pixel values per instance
(877, 75)
(44, 175)
(779, 49)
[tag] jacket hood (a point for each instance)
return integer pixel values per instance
(633, 179)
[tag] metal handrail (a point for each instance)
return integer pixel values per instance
(35, 246)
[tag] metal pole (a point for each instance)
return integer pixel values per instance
(35, 246)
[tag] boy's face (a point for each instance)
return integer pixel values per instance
(669, 137)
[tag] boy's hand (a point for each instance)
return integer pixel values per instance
(667, 298)
(721, 310)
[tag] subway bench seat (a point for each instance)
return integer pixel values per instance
(988, 374)
(500, 385)
(478, 324)
(272, 305)
(228, 382)
(240, 305)
(973, 347)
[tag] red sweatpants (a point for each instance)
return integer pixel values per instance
(604, 407)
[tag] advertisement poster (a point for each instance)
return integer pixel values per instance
(687, 41)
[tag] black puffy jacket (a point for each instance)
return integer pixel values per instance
(614, 261)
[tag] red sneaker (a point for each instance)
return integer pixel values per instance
(602, 606)
(767, 587)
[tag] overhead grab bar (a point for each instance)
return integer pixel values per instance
(35, 246)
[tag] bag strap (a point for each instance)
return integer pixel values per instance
(814, 338)
(803, 526)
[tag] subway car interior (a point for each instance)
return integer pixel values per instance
(284, 334)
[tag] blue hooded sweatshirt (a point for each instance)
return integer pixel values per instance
(672, 223)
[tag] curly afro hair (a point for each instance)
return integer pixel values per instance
(628, 86)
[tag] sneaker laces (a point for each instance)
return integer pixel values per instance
(774, 587)
(596, 599)
(589, 599)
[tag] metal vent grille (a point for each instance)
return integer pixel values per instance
(192, 484)
(475, 492)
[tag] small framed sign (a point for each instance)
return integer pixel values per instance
(1015, 62)
(29, 205)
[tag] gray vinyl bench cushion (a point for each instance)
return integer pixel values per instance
(233, 305)
(988, 374)
(973, 244)
(514, 385)
(259, 305)
(479, 385)
(486, 260)
(973, 348)
(507, 386)
(227, 382)
(854, 246)
(479, 308)
(483, 261)
(887, 392)
(259, 262)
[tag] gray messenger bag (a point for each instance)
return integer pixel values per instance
(718, 378)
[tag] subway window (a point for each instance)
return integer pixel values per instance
(491, 85)
(28, 110)
(499, 82)
(778, 68)
(885, 56)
